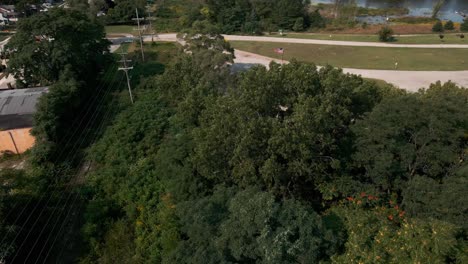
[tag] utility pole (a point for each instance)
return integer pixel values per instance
(139, 33)
(125, 68)
(148, 8)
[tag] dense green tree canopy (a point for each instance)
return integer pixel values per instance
(283, 128)
(49, 42)
(416, 134)
(292, 164)
(124, 10)
(286, 164)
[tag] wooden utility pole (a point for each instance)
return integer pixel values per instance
(148, 10)
(139, 33)
(125, 68)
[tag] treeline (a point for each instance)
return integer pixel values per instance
(288, 165)
(232, 16)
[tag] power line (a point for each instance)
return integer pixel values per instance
(72, 206)
(77, 194)
(68, 136)
(78, 144)
(89, 124)
(61, 153)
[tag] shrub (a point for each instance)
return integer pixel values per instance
(385, 34)
(299, 24)
(449, 25)
(438, 27)
(464, 25)
(315, 20)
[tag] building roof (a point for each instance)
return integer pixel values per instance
(18, 106)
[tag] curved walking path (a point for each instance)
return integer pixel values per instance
(408, 80)
(172, 37)
(344, 43)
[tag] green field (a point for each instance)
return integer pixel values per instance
(417, 39)
(125, 29)
(364, 57)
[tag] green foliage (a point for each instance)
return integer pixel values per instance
(258, 133)
(47, 43)
(53, 110)
(208, 46)
(464, 26)
(377, 236)
(244, 15)
(219, 228)
(10, 180)
(413, 134)
(211, 166)
(385, 34)
(316, 20)
(124, 10)
(425, 198)
(438, 27)
(449, 25)
(299, 24)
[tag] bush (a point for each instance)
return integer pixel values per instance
(449, 25)
(299, 24)
(315, 20)
(438, 27)
(464, 25)
(385, 34)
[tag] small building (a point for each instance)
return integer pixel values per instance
(17, 108)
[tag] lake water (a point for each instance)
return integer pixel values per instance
(416, 7)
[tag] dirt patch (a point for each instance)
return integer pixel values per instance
(14, 162)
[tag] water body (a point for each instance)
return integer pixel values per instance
(416, 7)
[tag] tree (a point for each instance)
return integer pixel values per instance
(436, 8)
(464, 25)
(205, 42)
(449, 25)
(260, 132)
(425, 198)
(316, 20)
(385, 34)
(299, 24)
(124, 10)
(218, 229)
(413, 134)
(438, 27)
(386, 235)
(47, 43)
(53, 118)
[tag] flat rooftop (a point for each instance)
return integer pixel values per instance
(18, 106)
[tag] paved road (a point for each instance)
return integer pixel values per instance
(408, 80)
(172, 37)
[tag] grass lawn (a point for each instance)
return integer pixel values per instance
(127, 29)
(364, 57)
(420, 39)
(157, 55)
